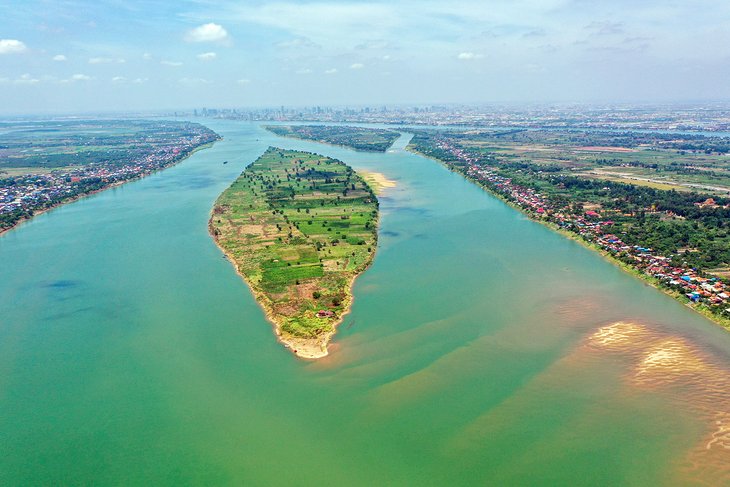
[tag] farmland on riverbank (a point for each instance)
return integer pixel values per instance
(299, 227)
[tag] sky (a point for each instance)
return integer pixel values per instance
(108, 55)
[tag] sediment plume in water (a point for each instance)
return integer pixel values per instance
(690, 379)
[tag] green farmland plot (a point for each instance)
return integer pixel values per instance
(299, 227)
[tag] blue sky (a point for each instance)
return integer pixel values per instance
(78, 55)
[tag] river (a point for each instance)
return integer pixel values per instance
(482, 348)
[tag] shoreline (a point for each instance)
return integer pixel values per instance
(646, 279)
(305, 348)
(115, 184)
(377, 181)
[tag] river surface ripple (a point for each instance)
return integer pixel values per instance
(482, 348)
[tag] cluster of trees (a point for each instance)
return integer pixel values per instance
(666, 221)
(673, 223)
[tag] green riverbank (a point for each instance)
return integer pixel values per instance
(652, 281)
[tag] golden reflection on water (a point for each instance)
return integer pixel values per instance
(691, 380)
(668, 361)
(618, 336)
(642, 360)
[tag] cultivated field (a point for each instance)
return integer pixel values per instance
(299, 227)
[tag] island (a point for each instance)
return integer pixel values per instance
(299, 228)
(358, 138)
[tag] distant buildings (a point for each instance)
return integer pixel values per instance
(619, 117)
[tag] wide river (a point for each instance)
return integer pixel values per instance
(482, 349)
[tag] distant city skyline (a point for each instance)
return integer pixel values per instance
(83, 56)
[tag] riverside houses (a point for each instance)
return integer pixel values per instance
(21, 196)
(698, 288)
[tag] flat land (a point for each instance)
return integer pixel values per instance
(40, 147)
(658, 203)
(358, 138)
(664, 161)
(45, 164)
(299, 227)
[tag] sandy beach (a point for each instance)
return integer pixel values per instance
(377, 181)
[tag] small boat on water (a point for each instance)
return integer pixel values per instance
(225, 162)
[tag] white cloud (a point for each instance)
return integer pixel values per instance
(171, 63)
(27, 79)
(303, 71)
(59, 57)
(535, 68)
(357, 66)
(12, 46)
(208, 33)
(80, 77)
(323, 22)
(138, 81)
(289, 31)
(119, 79)
(193, 81)
(207, 56)
(106, 60)
(603, 28)
(302, 42)
(373, 44)
(243, 81)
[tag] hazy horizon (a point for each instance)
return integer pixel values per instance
(79, 56)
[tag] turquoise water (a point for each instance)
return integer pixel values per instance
(131, 353)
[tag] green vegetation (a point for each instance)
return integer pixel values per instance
(54, 145)
(365, 139)
(679, 239)
(668, 221)
(299, 227)
(45, 164)
(678, 161)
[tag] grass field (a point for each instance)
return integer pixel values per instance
(299, 227)
(627, 178)
(644, 159)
